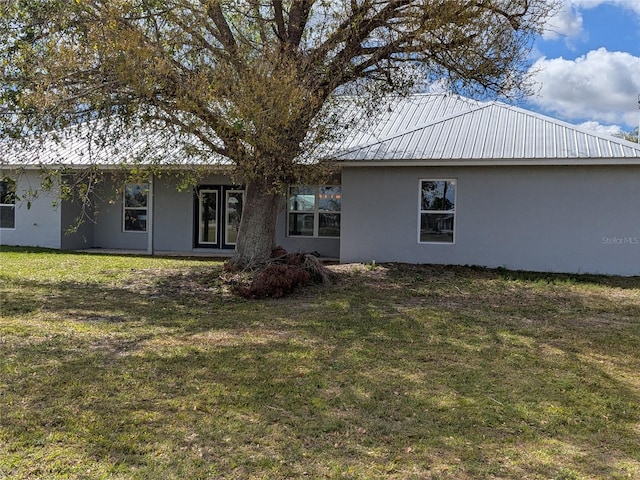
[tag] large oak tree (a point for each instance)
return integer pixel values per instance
(249, 78)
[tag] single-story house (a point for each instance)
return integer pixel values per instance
(432, 178)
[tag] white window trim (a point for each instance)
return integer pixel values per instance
(125, 208)
(420, 211)
(316, 211)
(12, 205)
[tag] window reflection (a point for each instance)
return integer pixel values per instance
(437, 211)
(314, 211)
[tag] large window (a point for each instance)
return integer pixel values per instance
(135, 207)
(437, 211)
(314, 211)
(7, 203)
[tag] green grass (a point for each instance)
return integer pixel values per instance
(121, 367)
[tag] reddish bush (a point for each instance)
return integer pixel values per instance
(275, 280)
(278, 277)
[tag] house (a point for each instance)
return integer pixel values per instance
(430, 179)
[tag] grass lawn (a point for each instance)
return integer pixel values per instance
(121, 367)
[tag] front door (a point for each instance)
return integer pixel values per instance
(218, 209)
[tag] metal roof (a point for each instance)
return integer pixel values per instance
(429, 129)
(454, 130)
(90, 145)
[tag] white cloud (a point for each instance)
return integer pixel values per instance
(600, 128)
(633, 5)
(601, 86)
(567, 23)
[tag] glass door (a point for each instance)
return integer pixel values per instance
(234, 201)
(217, 213)
(208, 217)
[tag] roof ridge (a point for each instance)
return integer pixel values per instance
(569, 125)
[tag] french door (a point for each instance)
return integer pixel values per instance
(218, 211)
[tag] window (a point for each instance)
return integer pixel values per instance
(135, 207)
(7, 203)
(314, 211)
(437, 211)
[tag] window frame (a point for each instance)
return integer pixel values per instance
(12, 205)
(316, 211)
(146, 188)
(453, 181)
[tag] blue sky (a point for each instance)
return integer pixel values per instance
(587, 65)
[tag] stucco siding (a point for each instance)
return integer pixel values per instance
(75, 235)
(108, 229)
(559, 219)
(326, 247)
(173, 217)
(37, 225)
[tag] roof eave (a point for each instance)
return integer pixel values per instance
(465, 162)
(113, 168)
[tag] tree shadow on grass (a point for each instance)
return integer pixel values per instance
(344, 381)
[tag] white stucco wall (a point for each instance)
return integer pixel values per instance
(39, 225)
(581, 219)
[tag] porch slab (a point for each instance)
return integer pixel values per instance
(158, 253)
(211, 254)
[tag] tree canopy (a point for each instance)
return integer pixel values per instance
(249, 78)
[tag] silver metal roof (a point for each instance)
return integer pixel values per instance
(448, 128)
(429, 129)
(90, 145)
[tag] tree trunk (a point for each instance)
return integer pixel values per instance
(256, 235)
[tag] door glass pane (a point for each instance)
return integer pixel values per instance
(234, 204)
(208, 229)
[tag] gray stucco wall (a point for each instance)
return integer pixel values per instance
(173, 226)
(82, 236)
(327, 247)
(38, 226)
(107, 231)
(173, 217)
(174, 213)
(581, 219)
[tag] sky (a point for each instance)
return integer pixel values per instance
(586, 67)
